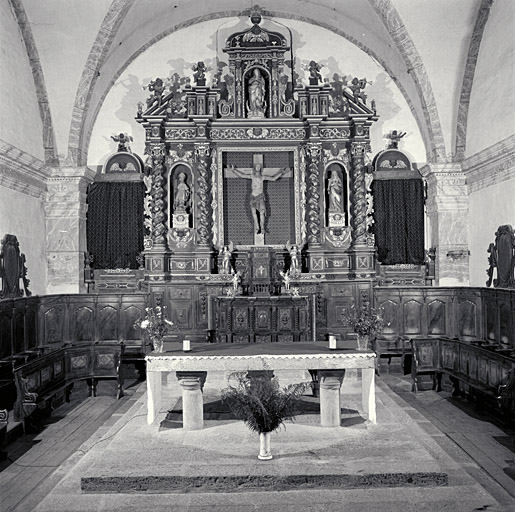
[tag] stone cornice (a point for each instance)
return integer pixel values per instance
(491, 166)
(22, 172)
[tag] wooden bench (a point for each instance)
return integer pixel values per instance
(483, 371)
(51, 376)
(386, 348)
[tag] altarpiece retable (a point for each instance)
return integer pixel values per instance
(258, 203)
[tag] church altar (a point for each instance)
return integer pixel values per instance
(192, 368)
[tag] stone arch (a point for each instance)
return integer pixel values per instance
(49, 145)
(468, 79)
(426, 117)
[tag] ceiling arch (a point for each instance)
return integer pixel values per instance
(121, 39)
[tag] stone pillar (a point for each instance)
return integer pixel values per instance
(192, 384)
(330, 384)
(65, 210)
(447, 210)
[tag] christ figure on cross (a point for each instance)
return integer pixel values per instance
(258, 175)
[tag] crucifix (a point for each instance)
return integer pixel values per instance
(258, 174)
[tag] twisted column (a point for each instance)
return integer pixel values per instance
(157, 192)
(202, 152)
(314, 150)
(359, 202)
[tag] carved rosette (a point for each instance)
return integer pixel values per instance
(202, 152)
(157, 203)
(314, 151)
(359, 203)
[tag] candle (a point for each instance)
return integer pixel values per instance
(332, 342)
(186, 345)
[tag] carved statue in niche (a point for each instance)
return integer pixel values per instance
(182, 194)
(502, 257)
(335, 212)
(12, 269)
(256, 105)
(335, 191)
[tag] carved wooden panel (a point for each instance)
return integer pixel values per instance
(491, 320)
(505, 325)
(180, 315)
(31, 324)
(18, 332)
(240, 319)
(5, 336)
(467, 325)
(285, 319)
(436, 317)
(84, 324)
(53, 325)
(389, 310)
(412, 317)
(263, 319)
(107, 323)
(180, 293)
(131, 315)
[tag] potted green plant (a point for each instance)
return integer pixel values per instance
(156, 325)
(366, 322)
(261, 404)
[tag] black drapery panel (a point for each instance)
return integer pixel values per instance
(115, 223)
(399, 220)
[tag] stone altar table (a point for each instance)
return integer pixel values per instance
(192, 367)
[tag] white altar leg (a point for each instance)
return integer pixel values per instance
(153, 396)
(368, 393)
(192, 384)
(330, 384)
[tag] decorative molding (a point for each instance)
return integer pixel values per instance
(491, 166)
(258, 134)
(398, 32)
(77, 151)
(468, 78)
(39, 82)
(22, 172)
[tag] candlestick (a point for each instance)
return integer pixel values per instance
(186, 345)
(332, 342)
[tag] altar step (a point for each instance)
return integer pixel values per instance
(257, 483)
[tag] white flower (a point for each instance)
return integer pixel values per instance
(144, 324)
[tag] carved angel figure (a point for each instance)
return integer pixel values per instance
(294, 258)
(157, 87)
(199, 77)
(286, 279)
(314, 72)
(394, 137)
(123, 140)
(226, 254)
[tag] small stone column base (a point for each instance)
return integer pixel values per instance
(330, 384)
(192, 384)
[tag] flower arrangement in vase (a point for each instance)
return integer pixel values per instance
(156, 325)
(262, 405)
(365, 322)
